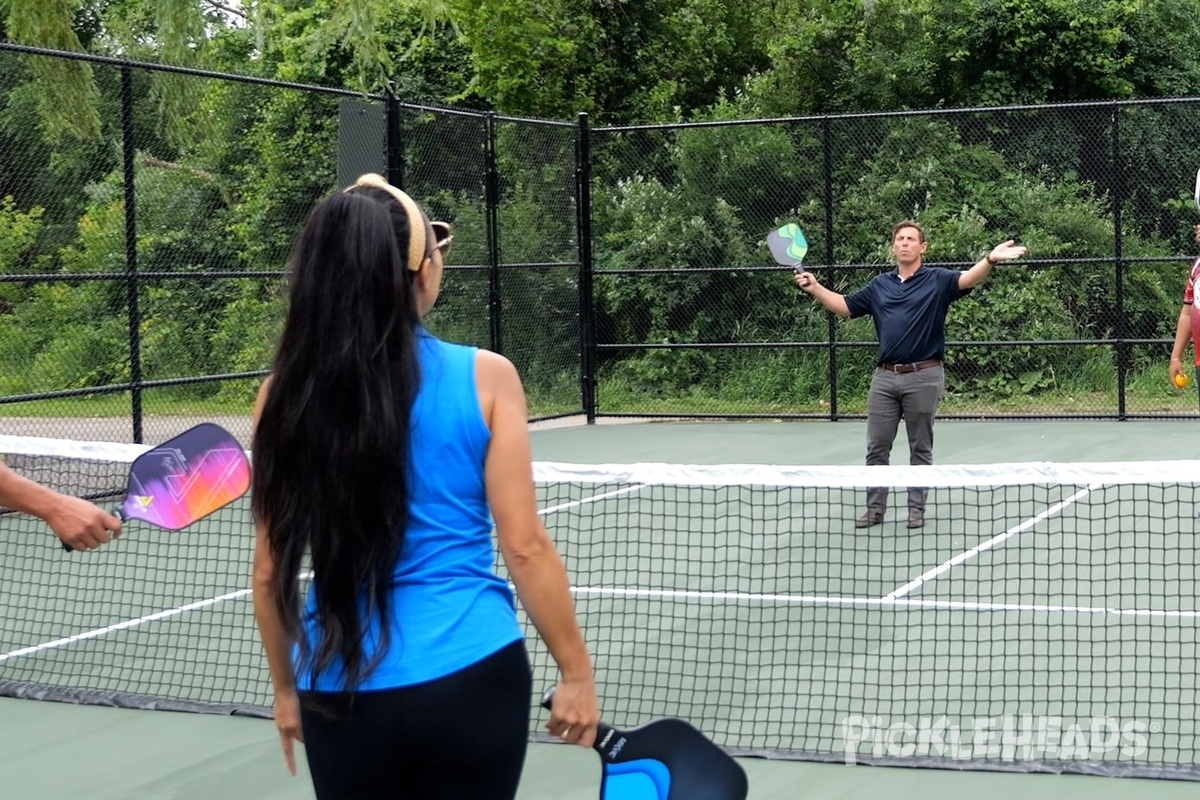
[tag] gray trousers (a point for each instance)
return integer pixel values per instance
(913, 397)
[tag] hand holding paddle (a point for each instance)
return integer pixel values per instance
(185, 478)
(575, 716)
(666, 759)
(81, 524)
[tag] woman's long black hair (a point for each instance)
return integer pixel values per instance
(331, 447)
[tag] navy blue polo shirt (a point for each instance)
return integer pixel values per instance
(909, 315)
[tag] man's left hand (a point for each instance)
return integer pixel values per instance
(1006, 252)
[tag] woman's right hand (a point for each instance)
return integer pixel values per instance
(287, 721)
(1175, 369)
(575, 712)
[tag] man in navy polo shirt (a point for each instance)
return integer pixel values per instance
(909, 308)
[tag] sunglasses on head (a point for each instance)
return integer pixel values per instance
(442, 238)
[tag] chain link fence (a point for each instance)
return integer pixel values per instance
(622, 269)
(143, 273)
(690, 321)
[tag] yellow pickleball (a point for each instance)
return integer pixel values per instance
(1181, 380)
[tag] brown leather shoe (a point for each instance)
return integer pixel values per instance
(916, 518)
(868, 519)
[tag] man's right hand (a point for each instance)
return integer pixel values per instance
(80, 524)
(807, 281)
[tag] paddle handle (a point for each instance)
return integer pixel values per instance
(606, 735)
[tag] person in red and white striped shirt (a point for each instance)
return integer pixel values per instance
(1188, 326)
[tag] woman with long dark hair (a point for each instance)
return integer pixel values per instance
(379, 451)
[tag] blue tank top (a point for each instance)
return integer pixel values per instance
(449, 607)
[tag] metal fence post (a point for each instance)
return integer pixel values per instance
(827, 169)
(1121, 329)
(491, 197)
(587, 315)
(131, 263)
(394, 142)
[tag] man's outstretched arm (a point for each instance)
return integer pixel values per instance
(827, 297)
(78, 523)
(1001, 252)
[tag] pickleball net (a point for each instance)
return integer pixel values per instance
(1044, 618)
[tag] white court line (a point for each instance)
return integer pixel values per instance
(212, 601)
(553, 509)
(929, 575)
(882, 603)
(130, 623)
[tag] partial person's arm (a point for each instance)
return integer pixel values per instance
(1183, 332)
(832, 301)
(78, 523)
(276, 643)
(534, 565)
(1001, 252)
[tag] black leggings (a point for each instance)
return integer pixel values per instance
(461, 736)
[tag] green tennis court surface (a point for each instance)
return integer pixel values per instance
(1031, 625)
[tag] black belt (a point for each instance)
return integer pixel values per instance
(905, 368)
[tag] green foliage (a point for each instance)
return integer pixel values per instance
(69, 336)
(659, 60)
(1011, 306)
(685, 55)
(67, 95)
(755, 169)
(645, 225)
(1158, 37)
(1017, 51)
(75, 334)
(648, 226)
(181, 37)
(290, 165)
(461, 313)
(523, 52)
(18, 230)
(366, 45)
(833, 55)
(248, 326)
(536, 317)
(63, 337)
(844, 55)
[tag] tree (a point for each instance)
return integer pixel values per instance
(659, 60)
(67, 94)
(195, 33)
